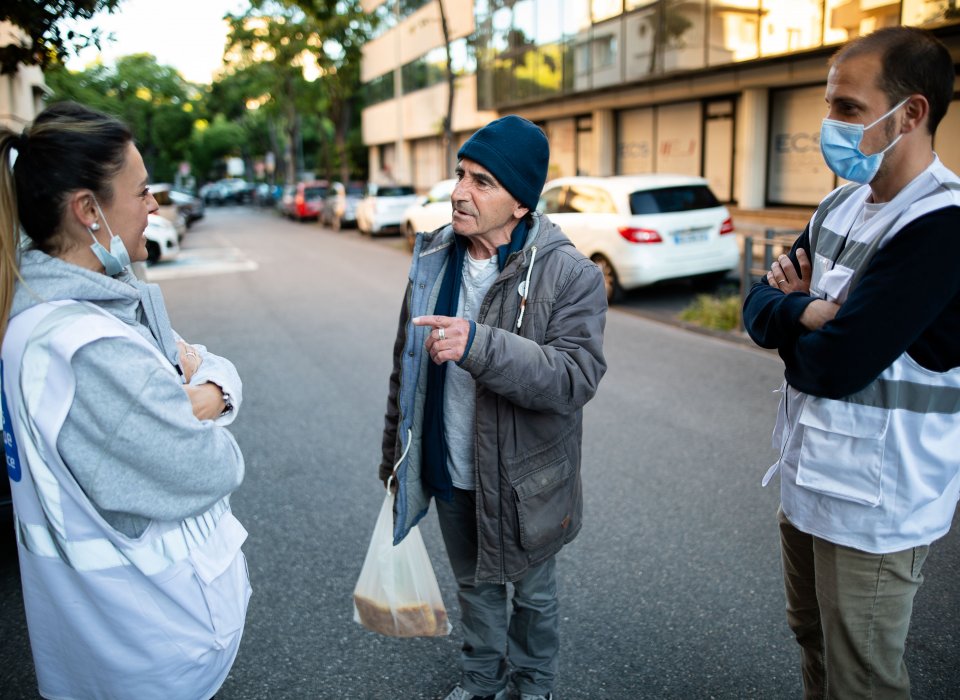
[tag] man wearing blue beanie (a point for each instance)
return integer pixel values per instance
(499, 347)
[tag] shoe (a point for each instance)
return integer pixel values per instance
(528, 696)
(458, 693)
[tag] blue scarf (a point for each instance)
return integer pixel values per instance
(435, 474)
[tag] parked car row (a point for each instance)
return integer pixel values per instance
(340, 207)
(177, 211)
(639, 229)
(228, 191)
(304, 200)
(163, 240)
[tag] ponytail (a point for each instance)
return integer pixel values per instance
(9, 226)
(68, 147)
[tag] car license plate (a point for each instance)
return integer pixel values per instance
(689, 237)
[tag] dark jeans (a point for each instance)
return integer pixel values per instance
(528, 640)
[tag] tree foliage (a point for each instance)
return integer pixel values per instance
(45, 39)
(153, 99)
(291, 87)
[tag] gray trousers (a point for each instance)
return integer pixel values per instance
(493, 639)
(850, 611)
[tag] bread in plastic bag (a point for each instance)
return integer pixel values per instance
(397, 593)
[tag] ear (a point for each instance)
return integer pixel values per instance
(520, 211)
(916, 112)
(82, 208)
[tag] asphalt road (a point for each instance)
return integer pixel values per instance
(672, 590)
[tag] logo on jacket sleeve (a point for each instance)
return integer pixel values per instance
(10, 452)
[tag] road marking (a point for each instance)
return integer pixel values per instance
(199, 262)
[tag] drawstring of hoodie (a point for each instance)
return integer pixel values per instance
(526, 287)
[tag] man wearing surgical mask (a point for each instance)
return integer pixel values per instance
(865, 313)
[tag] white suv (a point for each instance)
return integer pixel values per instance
(431, 212)
(382, 207)
(641, 229)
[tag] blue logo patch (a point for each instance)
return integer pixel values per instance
(10, 451)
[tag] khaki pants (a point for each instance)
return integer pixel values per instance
(850, 612)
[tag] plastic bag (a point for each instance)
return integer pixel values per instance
(397, 593)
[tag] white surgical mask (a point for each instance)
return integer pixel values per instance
(117, 258)
(840, 146)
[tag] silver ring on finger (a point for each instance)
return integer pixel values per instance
(779, 282)
(441, 334)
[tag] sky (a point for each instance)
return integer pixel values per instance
(186, 34)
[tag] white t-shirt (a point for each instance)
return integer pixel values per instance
(459, 396)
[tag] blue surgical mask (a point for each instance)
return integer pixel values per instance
(117, 258)
(840, 146)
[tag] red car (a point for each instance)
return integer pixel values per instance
(308, 200)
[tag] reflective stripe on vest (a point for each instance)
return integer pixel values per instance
(832, 238)
(100, 554)
(154, 551)
(907, 396)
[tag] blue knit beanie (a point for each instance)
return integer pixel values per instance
(516, 152)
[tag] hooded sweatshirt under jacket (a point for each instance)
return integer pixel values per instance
(532, 381)
(136, 464)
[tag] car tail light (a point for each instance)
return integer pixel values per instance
(639, 235)
(726, 227)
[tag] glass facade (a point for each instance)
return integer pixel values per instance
(529, 50)
(424, 72)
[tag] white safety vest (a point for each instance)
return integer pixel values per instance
(877, 470)
(156, 617)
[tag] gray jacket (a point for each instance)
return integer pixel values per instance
(531, 386)
(130, 438)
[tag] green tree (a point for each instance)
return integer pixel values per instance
(344, 28)
(45, 39)
(153, 99)
(237, 97)
(278, 45)
(211, 143)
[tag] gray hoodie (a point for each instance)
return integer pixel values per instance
(130, 438)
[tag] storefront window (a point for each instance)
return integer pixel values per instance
(678, 138)
(635, 141)
(790, 25)
(797, 172)
(945, 142)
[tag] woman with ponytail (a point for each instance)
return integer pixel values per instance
(119, 460)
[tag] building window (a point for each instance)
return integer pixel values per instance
(604, 51)
(424, 72)
(846, 20)
(380, 89)
(790, 25)
(605, 9)
(921, 13)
